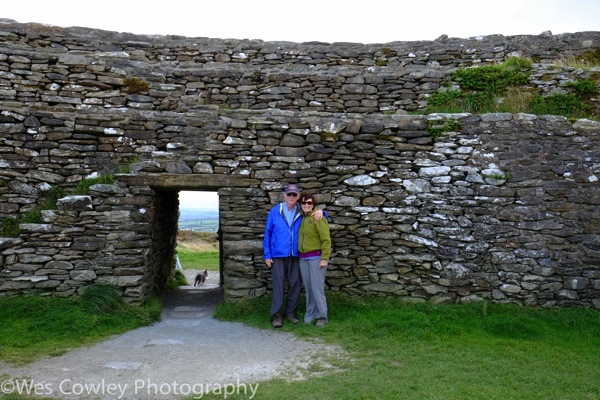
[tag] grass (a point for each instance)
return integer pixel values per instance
(34, 326)
(198, 250)
(588, 59)
(194, 260)
(395, 350)
(475, 351)
(83, 187)
(178, 279)
(505, 88)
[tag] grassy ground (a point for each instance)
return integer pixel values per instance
(198, 250)
(477, 351)
(35, 326)
(396, 351)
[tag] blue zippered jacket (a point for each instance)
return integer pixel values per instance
(281, 240)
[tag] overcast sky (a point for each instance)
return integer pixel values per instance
(367, 21)
(205, 200)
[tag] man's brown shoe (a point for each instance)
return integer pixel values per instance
(277, 322)
(292, 319)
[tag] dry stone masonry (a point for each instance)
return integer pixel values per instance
(499, 207)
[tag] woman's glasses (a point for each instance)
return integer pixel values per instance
(307, 202)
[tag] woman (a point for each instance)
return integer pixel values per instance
(314, 250)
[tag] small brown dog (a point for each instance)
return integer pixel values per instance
(201, 278)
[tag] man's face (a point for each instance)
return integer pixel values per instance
(291, 199)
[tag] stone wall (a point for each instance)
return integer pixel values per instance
(500, 207)
(79, 67)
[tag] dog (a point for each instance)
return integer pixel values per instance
(201, 278)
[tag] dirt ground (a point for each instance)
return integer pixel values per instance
(187, 354)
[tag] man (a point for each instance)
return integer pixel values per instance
(280, 247)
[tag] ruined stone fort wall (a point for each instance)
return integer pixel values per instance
(500, 207)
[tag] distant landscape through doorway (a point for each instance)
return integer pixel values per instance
(198, 239)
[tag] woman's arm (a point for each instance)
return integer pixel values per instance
(322, 227)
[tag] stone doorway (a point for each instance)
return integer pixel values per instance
(232, 241)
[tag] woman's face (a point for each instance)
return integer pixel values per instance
(307, 205)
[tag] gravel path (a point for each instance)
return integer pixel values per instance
(188, 353)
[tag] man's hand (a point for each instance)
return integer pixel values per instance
(323, 264)
(269, 262)
(318, 215)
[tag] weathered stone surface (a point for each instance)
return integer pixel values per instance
(38, 228)
(75, 203)
(6, 243)
(130, 280)
(82, 276)
(34, 278)
(14, 285)
(88, 243)
(243, 247)
(503, 208)
(381, 287)
(234, 283)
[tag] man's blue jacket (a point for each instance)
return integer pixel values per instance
(281, 240)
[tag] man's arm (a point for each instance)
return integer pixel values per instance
(320, 213)
(267, 241)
